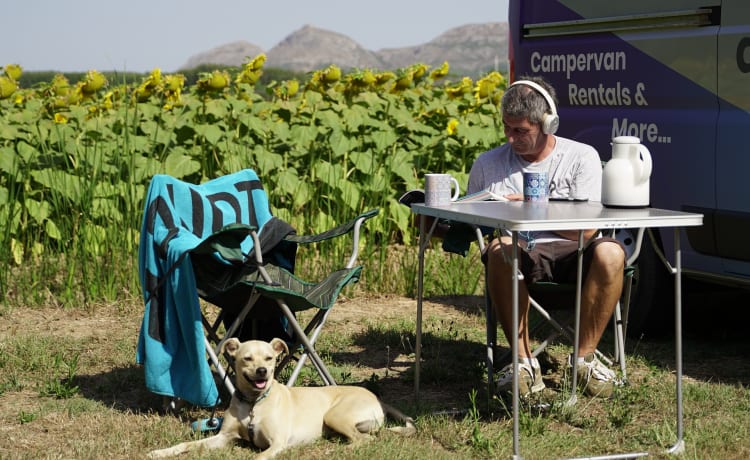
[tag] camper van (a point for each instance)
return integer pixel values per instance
(676, 74)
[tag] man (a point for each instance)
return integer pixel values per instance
(574, 170)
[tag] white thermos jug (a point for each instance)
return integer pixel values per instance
(626, 177)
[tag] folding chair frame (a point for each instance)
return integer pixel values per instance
(265, 286)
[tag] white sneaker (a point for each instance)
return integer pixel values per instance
(529, 380)
(594, 377)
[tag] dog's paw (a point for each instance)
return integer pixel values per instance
(161, 453)
(409, 429)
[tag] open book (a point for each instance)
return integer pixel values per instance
(482, 195)
(417, 196)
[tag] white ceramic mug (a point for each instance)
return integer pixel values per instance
(437, 189)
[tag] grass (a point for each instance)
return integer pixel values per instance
(69, 388)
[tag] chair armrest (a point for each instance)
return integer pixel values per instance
(352, 226)
(334, 232)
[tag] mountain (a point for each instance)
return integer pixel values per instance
(231, 54)
(311, 48)
(471, 49)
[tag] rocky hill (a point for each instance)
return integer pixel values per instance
(472, 49)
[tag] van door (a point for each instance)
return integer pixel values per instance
(732, 219)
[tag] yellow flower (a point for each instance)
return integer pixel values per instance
(251, 71)
(13, 71)
(60, 119)
(459, 90)
(404, 79)
(257, 62)
(332, 74)
(150, 84)
(107, 102)
(93, 82)
(60, 85)
(215, 81)
(440, 72)
(142, 93)
(286, 89)
(487, 85)
(154, 79)
(292, 86)
(418, 71)
(384, 77)
(452, 127)
(174, 83)
(8, 86)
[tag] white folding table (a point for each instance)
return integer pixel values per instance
(518, 216)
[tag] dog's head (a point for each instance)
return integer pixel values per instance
(254, 362)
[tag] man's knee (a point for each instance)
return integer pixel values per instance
(497, 256)
(609, 256)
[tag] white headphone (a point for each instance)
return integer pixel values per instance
(550, 121)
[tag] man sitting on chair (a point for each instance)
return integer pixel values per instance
(574, 171)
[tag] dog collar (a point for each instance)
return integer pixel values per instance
(242, 397)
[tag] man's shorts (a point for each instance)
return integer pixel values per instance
(556, 260)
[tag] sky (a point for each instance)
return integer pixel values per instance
(140, 35)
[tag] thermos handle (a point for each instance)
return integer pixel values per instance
(645, 164)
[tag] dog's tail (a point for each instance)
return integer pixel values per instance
(408, 429)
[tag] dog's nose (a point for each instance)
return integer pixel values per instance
(261, 371)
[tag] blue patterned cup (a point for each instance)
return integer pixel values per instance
(535, 187)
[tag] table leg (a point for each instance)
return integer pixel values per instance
(514, 346)
(420, 279)
(424, 241)
(577, 328)
(679, 446)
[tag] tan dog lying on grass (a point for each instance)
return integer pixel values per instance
(275, 417)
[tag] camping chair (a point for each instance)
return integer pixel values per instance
(456, 241)
(219, 242)
(566, 330)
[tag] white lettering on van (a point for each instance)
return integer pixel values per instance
(581, 62)
(640, 98)
(645, 131)
(607, 96)
(599, 95)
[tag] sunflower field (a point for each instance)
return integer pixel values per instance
(76, 158)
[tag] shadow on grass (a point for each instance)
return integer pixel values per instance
(122, 389)
(714, 330)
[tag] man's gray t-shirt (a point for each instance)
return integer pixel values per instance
(574, 170)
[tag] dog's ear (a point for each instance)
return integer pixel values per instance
(231, 346)
(279, 346)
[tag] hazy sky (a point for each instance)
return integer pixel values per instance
(139, 35)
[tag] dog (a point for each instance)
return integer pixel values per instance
(275, 417)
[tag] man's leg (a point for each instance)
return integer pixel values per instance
(600, 293)
(499, 283)
(500, 275)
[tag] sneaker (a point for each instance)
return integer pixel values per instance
(529, 380)
(594, 377)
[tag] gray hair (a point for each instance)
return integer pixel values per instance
(521, 101)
